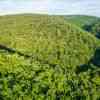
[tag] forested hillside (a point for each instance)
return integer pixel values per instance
(81, 20)
(87, 23)
(47, 58)
(94, 28)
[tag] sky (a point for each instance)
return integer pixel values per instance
(60, 7)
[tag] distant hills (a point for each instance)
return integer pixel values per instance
(81, 20)
(49, 57)
(87, 23)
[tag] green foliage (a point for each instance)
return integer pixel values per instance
(57, 48)
(81, 20)
(95, 28)
(87, 23)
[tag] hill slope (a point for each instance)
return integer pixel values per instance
(56, 48)
(81, 20)
(87, 23)
(46, 36)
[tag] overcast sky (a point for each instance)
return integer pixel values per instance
(88, 7)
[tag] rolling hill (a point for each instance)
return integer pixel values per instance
(40, 56)
(81, 20)
(87, 23)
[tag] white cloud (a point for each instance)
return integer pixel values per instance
(22, 6)
(89, 7)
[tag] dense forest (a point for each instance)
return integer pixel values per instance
(49, 57)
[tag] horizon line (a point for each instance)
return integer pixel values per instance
(36, 13)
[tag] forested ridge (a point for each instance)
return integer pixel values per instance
(48, 58)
